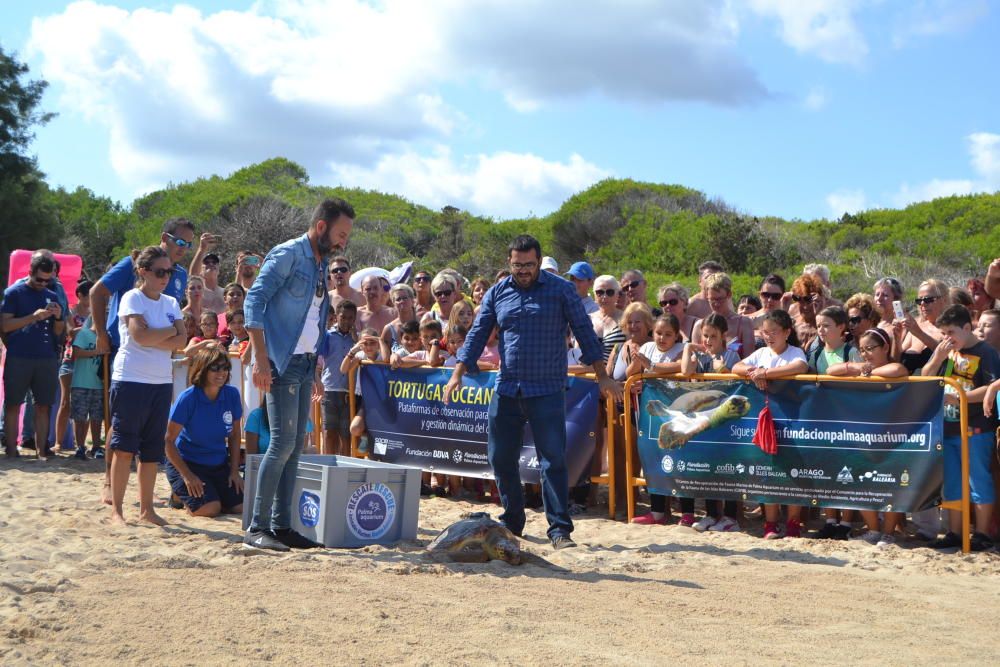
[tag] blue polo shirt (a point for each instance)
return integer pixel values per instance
(37, 340)
(120, 278)
(334, 348)
(207, 424)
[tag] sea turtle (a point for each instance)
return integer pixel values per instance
(693, 413)
(476, 538)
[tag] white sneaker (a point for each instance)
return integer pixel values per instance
(704, 523)
(885, 541)
(726, 524)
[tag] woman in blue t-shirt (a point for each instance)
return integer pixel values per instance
(203, 438)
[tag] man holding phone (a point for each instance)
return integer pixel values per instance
(32, 320)
(206, 264)
(247, 265)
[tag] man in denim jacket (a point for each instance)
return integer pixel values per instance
(286, 312)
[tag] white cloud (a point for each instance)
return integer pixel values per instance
(930, 18)
(824, 27)
(816, 99)
(985, 150)
(185, 93)
(501, 185)
(846, 201)
(932, 189)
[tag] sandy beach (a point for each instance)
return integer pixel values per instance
(74, 590)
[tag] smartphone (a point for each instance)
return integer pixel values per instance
(252, 260)
(897, 309)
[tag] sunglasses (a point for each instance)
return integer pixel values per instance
(444, 294)
(162, 273)
(854, 321)
(669, 302)
(771, 296)
(804, 299)
(422, 279)
(604, 292)
(221, 366)
(210, 264)
(628, 287)
(179, 242)
(339, 269)
(925, 300)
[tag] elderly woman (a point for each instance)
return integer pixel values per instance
(446, 293)
(918, 337)
(607, 318)
(862, 314)
(404, 301)
(886, 291)
(673, 298)
(739, 337)
(203, 439)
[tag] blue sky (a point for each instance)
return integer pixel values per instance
(796, 108)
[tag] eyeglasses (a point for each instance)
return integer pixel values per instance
(925, 300)
(628, 287)
(869, 348)
(771, 296)
(444, 294)
(809, 298)
(854, 321)
(179, 242)
(604, 292)
(422, 279)
(527, 266)
(162, 273)
(669, 302)
(220, 367)
(339, 269)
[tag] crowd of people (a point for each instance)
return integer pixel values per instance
(148, 309)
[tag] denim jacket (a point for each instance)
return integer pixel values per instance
(279, 299)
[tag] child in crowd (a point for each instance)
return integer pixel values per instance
(77, 316)
(337, 342)
(713, 356)
(87, 390)
(748, 305)
(233, 295)
(832, 347)
(405, 356)
(782, 357)
(875, 346)
(988, 328)
(240, 343)
(662, 355)
(368, 347)
(257, 431)
(191, 327)
(976, 365)
(431, 333)
(574, 356)
(209, 326)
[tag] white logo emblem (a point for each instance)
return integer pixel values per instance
(794, 472)
(227, 418)
(667, 464)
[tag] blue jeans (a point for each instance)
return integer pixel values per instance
(547, 417)
(288, 413)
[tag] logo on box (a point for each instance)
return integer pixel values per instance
(309, 509)
(371, 510)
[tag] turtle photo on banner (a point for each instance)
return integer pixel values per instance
(409, 425)
(850, 445)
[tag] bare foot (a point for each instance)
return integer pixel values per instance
(118, 519)
(153, 518)
(106, 494)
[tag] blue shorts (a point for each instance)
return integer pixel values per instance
(139, 414)
(981, 447)
(216, 481)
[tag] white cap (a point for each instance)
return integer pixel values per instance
(550, 264)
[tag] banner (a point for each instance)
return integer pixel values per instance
(409, 425)
(849, 445)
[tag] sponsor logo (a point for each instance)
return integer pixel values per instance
(438, 454)
(456, 456)
(309, 509)
(371, 510)
(766, 471)
(381, 446)
(725, 469)
(904, 479)
(752, 470)
(794, 472)
(879, 477)
(845, 476)
(667, 463)
(681, 466)
(740, 468)
(808, 473)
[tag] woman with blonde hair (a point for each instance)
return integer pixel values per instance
(917, 337)
(674, 298)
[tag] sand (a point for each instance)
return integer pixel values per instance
(74, 590)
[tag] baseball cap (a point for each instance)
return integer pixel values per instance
(581, 271)
(550, 264)
(210, 257)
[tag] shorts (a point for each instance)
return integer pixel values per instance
(139, 414)
(86, 404)
(216, 481)
(66, 368)
(337, 413)
(981, 447)
(20, 374)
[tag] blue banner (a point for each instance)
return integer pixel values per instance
(840, 444)
(410, 425)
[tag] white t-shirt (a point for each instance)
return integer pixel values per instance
(765, 358)
(574, 356)
(310, 330)
(135, 362)
(651, 352)
(361, 356)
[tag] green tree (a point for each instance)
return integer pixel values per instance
(25, 218)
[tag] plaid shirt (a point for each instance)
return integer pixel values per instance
(532, 325)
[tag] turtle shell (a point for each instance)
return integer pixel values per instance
(476, 538)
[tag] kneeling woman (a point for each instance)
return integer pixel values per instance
(203, 438)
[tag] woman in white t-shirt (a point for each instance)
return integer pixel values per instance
(782, 357)
(151, 327)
